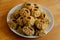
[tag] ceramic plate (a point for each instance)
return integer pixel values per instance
(50, 26)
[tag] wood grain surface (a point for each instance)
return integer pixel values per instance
(7, 34)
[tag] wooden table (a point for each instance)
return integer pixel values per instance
(7, 34)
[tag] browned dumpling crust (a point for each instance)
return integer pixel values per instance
(35, 12)
(29, 20)
(15, 15)
(20, 21)
(38, 24)
(20, 30)
(28, 30)
(24, 12)
(40, 33)
(12, 24)
(28, 5)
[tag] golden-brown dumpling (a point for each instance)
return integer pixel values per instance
(40, 33)
(36, 6)
(24, 12)
(35, 12)
(20, 21)
(12, 24)
(43, 15)
(45, 23)
(42, 23)
(29, 20)
(15, 15)
(38, 24)
(20, 30)
(28, 5)
(28, 30)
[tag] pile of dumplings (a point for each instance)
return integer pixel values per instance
(29, 20)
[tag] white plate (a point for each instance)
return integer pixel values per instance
(47, 29)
